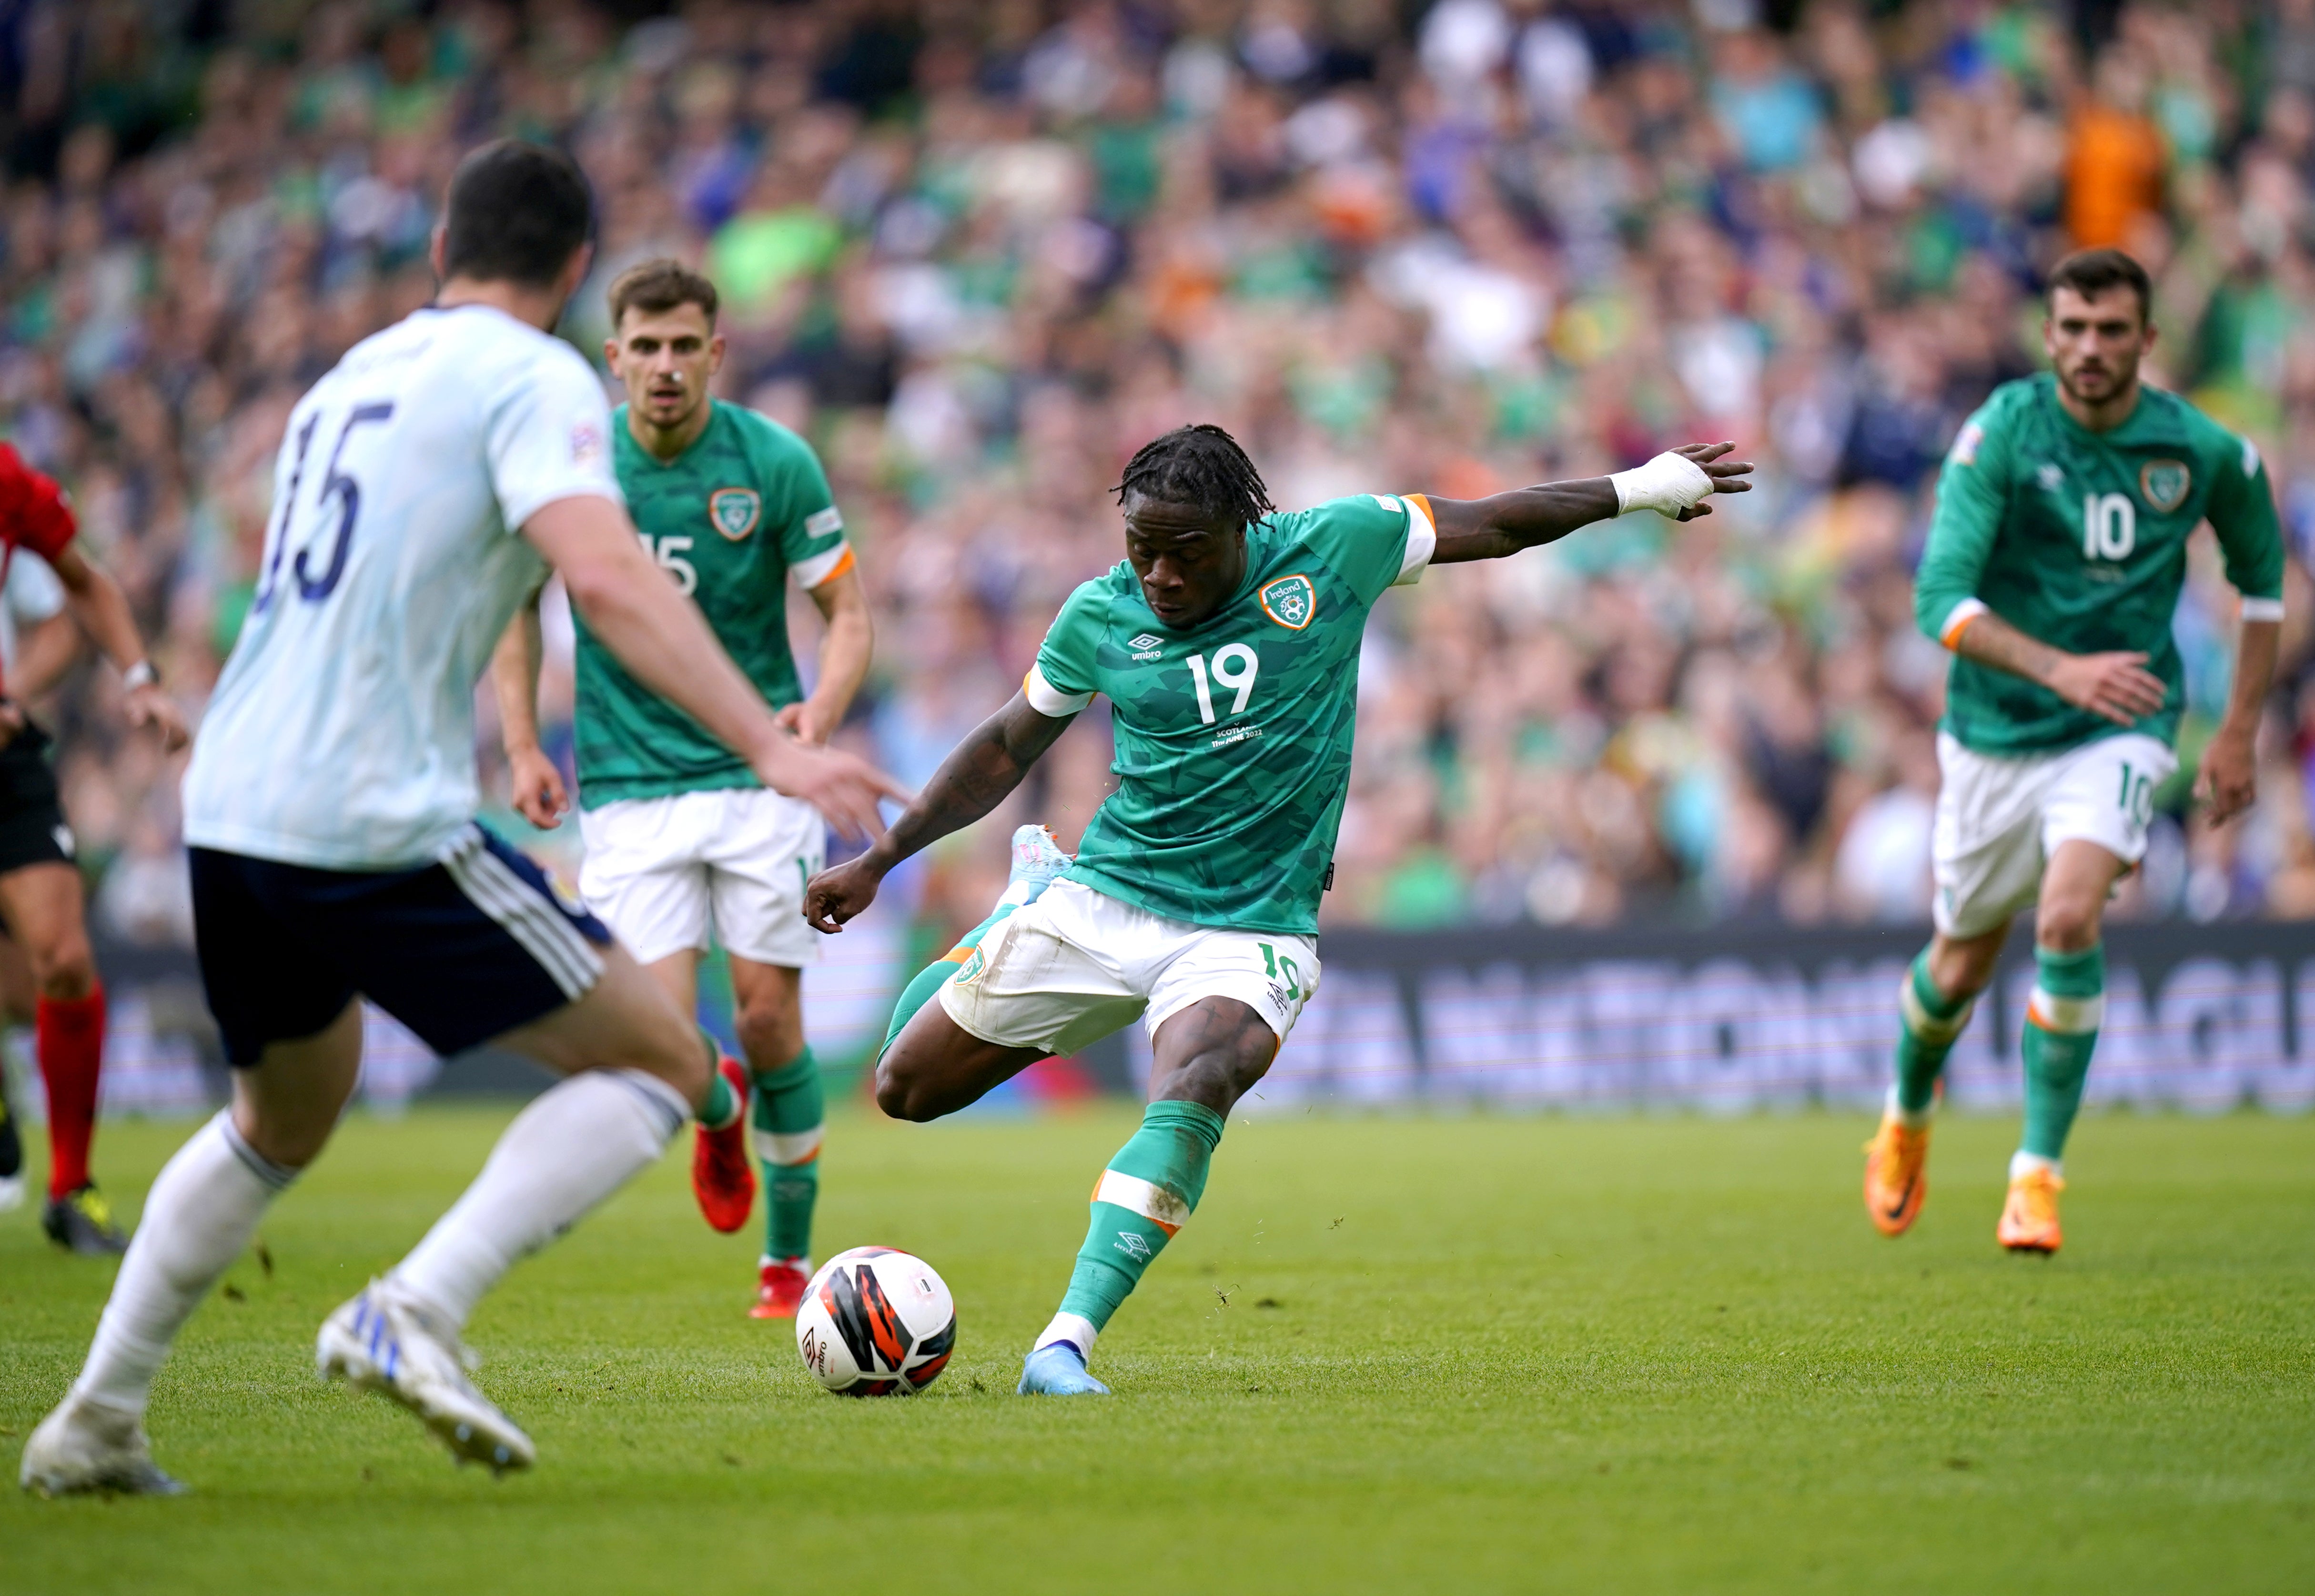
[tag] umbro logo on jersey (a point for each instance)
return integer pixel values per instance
(1291, 602)
(2050, 477)
(2165, 483)
(1146, 641)
(735, 511)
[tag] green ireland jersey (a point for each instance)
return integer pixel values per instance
(731, 520)
(2078, 540)
(1234, 736)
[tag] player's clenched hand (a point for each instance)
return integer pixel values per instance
(148, 706)
(539, 795)
(843, 788)
(837, 894)
(2228, 783)
(2117, 686)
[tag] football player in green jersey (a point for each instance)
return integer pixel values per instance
(1227, 643)
(2054, 564)
(679, 834)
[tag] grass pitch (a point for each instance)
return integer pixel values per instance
(1492, 1354)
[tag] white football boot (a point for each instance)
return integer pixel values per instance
(86, 1446)
(383, 1341)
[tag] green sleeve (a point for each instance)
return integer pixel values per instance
(1364, 540)
(1062, 681)
(2241, 510)
(799, 509)
(1973, 493)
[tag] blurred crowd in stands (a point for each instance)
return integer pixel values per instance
(978, 252)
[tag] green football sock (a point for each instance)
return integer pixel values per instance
(1930, 1022)
(786, 1129)
(2062, 1027)
(721, 1109)
(1149, 1192)
(927, 981)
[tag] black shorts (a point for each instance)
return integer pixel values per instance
(460, 950)
(33, 830)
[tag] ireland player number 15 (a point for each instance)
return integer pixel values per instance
(669, 553)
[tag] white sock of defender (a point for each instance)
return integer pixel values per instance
(2023, 1164)
(1074, 1328)
(575, 1145)
(200, 1213)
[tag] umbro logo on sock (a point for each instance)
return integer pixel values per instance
(1132, 1246)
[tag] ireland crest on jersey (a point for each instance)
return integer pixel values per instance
(735, 511)
(1291, 602)
(2165, 483)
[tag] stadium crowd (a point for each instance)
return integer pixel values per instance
(977, 254)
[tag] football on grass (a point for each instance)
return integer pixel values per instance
(876, 1322)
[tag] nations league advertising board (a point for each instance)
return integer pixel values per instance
(2203, 1019)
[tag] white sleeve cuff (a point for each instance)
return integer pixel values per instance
(1047, 699)
(1422, 540)
(1957, 620)
(2262, 609)
(823, 567)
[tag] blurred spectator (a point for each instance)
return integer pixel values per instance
(980, 255)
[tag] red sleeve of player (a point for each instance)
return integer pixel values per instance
(33, 513)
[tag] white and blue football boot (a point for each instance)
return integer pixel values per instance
(1037, 863)
(383, 1341)
(1057, 1371)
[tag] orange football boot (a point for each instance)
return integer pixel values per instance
(2029, 1219)
(1896, 1174)
(720, 1180)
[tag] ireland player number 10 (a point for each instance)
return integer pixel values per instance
(2110, 527)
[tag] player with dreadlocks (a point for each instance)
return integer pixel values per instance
(1228, 643)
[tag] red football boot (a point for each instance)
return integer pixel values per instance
(781, 1288)
(720, 1177)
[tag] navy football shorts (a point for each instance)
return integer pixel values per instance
(460, 950)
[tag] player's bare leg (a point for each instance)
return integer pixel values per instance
(1206, 1057)
(634, 1069)
(200, 1213)
(43, 907)
(937, 1067)
(787, 1125)
(2060, 1032)
(1934, 1007)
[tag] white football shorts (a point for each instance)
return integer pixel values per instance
(1068, 969)
(2001, 818)
(659, 870)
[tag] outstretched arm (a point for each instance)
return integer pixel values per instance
(974, 779)
(1673, 483)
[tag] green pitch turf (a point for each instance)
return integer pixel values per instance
(1388, 1354)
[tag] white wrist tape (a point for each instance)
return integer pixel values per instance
(1667, 484)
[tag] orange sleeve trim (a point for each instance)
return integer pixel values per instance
(1957, 622)
(843, 564)
(1424, 500)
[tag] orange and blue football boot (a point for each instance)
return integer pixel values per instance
(1896, 1174)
